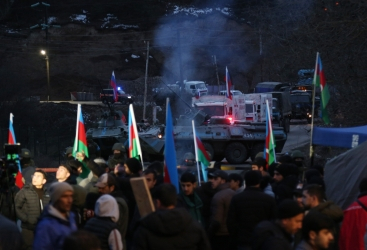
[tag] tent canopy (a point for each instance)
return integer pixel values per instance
(339, 137)
(343, 175)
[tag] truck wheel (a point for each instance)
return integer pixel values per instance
(287, 126)
(236, 153)
(257, 148)
(208, 147)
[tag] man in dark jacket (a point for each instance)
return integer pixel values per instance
(119, 156)
(247, 209)
(286, 180)
(188, 198)
(10, 237)
(28, 166)
(218, 232)
(29, 204)
(169, 227)
(56, 221)
(278, 234)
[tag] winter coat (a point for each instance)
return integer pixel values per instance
(170, 229)
(353, 227)
(28, 205)
(269, 235)
(10, 237)
(219, 210)
(104, 225)
(193, 207)
(304, 246)
(284, 189)
(123, 220)
(112, 161)
(206, 193)
(246, 210)
(52, 229)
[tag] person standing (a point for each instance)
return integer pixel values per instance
(57, 221)
(169, 227)
(236, 182)
(27, 164)
(218, 232)
(119, 156)
(247, 209)
(104, 224)
(317, 232)
(278, 234)
(29, 204)
(10, 237)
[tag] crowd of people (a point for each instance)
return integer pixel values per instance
(91, 205)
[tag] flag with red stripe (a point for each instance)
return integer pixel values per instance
(201, 154)
(11, 140)
(134, 142)
(114, 86)
(228, 85)
(269, 152)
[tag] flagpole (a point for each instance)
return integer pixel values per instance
(196, 151)
(133, 121)
(313, 110)
(271, 134)
(75, 148)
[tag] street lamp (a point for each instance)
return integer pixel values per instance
(44, 53)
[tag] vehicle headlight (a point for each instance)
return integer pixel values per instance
(129, 97)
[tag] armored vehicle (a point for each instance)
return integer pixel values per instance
(301, 106)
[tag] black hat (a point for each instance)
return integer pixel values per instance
(252, 178)
(25, 153)
(134, 165)
(283, 169)
(259, 161)
(288, 209)
(219, 173)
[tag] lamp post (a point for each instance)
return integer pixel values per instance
(43, 52)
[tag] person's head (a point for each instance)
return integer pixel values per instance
(132, 166)
(281, 171)
(39, 178)
(151, 177)
(235, 181)
(61, 194)
(311, 173)
(317, 230)
(95, 168)
(253, 178)
(63, 172)
(25, 154)
(106, 206)
(75, 166)
(312, 196)
(118, 150)
(297, 157)
(69, 153)
(188, 159)
(165, 196)
(319, 168)
(363, 185)
(297, 196)
(259, 164)
(81, 240)
(290, 216)
(188, 183)
(102, 163)
(219, 177)
(157, 166)
(285, 159)
(106, 184)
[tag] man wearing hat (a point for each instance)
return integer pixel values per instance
(247, 209)
(57, 221)
(28, 166)
(119, 155)
(278, 234)
(285, 177)
(218, 232)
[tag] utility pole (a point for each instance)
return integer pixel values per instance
(146, 80)
(179, 55)
(261, 57)
(216, 71)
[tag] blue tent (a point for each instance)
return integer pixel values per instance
(339, 137)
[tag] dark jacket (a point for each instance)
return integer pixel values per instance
(28, 205)
(304, 246)
(10, 237)
(270, 236)
(247, 209)
(123, 220)
(193, 206)
(206, 193)
(219, 210)
(284, 189)
(170, 229)
(101, 227)
(52, 229)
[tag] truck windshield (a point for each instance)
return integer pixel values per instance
(212, 110)
(300, 98)
(249, 108)
(200, 86)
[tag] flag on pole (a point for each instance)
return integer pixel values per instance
(170, 165)
(11, 140)
(269, 152)
(114, 86)
(80, 143)
(320, 81)
(134, 143)
(228, 85)
(200, 154)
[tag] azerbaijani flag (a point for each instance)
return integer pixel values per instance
(269, 152)
(170, 166)
(320, 81)
(80, 143)
(11, 140)
(134, 143)
(201, 154)
(114, 86)
(228, 85)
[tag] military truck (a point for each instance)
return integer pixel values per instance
(301, 106)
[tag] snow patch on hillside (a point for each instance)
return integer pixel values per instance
(193, 11)
(80, 17)
(112, 22)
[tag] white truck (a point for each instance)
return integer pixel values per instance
(245, 108)
(195, 88)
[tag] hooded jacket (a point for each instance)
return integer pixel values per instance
(52, 229)
(170, 229)
(104, 225)
(269, 235)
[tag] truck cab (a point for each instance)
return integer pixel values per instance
(195, 88)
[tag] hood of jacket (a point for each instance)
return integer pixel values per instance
(167, 222)
(106, 206)
(330, 209)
